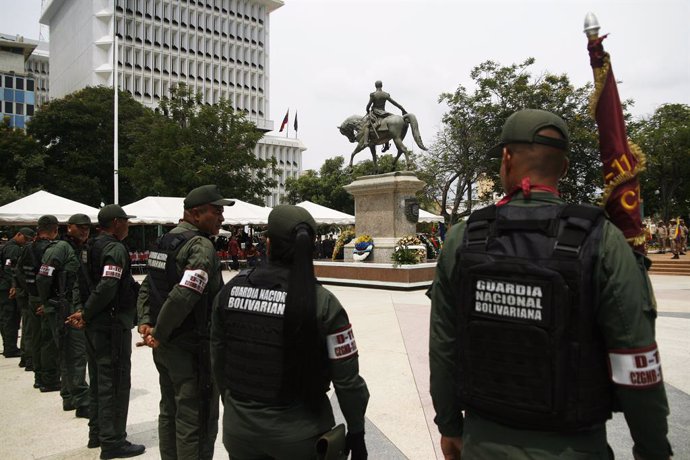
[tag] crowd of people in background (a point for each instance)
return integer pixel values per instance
(663, 237)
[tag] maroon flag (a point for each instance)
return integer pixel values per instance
(622, 160)
(285, 121)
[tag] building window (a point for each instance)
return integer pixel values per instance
(29, 85)
(9, 81)
(9, 107)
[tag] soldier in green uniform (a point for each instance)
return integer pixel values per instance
(10, 312)
(278, 340)
(22, 298)
(43, 350)
(184, 275)
(108, 317)
(534, 301)
(59, 290)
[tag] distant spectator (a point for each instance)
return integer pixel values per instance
(662, 236)
(233, 252)
(251, 255)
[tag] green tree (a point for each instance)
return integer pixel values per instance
(76, 133)
(664, 137)
(22, 160)
(459, 156)
(187, 144)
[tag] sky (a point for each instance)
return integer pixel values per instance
(325, 55)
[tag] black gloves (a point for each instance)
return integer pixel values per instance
(354, 443)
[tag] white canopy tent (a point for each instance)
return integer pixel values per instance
(27, 210)
(426, 216)
(167, 210)
(324, 215)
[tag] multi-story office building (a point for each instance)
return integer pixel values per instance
(37, 66)
(218, 48)
(17, 96)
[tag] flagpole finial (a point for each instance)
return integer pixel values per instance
(591, 26)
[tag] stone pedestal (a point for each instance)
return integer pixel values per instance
(380, 211)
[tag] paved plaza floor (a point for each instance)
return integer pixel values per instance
(391, 328)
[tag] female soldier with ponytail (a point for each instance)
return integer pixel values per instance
(278, 340)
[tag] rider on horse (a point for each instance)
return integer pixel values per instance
(376, 112)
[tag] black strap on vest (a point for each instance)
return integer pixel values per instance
(579, 221)
(479, 226)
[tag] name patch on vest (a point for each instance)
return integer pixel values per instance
(157, 260)
(46, 270)
(112, 271)
(341, 344)
(196, 280)
(639, 368)
(257, 300)
(507, 299)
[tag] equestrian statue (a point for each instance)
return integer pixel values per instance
(379, 127)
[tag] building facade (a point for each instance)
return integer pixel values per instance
(17, 87)
(218, 48)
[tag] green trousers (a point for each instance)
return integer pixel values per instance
(25, 339)
(49, 359)
(34, 325)
(184, 431)
(485, 440)
(109, 353)
(264, 449)
(9, 323)
(74, 389)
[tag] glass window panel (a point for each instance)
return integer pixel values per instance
(29, 109)
(9, 81)
(29, 98)
(19, 109)
(9, 107)
(9, 95)
(29, 85)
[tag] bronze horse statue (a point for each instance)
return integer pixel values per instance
(393, 128)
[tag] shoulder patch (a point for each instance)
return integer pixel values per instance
(46, 270)
(341, 344)
(112, 271)
(196, 280)
(636, 368)
(8, 262)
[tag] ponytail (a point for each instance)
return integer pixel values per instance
(302, 344)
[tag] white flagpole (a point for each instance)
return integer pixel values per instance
(116, 191)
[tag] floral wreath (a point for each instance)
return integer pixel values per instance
(409, 250)
(344, 238)
(364, 244)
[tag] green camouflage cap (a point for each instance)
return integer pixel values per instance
(112, 211)
(522, 128)
(27, 232)
(284, 218)
(46, 220)
(206, 194)
(79, 219)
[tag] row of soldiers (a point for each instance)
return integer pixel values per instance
(270, 358)
(54, 288)
(672, 235)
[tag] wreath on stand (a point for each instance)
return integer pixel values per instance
(364, 245)
(409, 250)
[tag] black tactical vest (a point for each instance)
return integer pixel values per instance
(531, 355)
(127, 287)
(30, 262)
(252, 319)
(163, 276)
